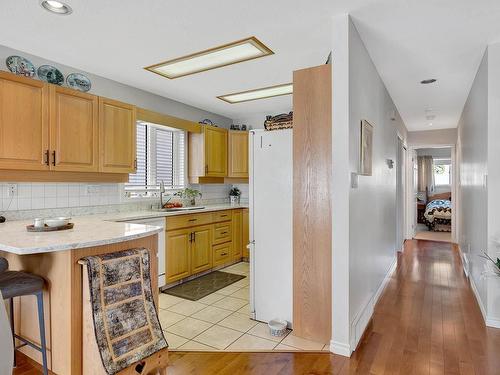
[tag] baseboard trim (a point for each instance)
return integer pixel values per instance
(340, 348)
(478, 298)
(361, 321)
(492, 322)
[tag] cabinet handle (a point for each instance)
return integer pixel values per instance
(223, 232)
(54, 158)
(194, 236)
(135, 163)
(223, 215)
(47, 157)
(191, 237)
(206, 168)
(191, 220)
(223, 254)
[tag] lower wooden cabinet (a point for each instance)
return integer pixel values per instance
(201, 256)
(246, 232)
(178, 254)
(198, 242)
(237, 252)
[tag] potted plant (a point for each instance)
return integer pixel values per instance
(189, 196)
(234, 196)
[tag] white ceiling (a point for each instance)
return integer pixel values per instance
(408, 41)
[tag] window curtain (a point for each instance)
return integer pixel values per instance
(425, 174)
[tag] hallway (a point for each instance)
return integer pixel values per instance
(427, 321)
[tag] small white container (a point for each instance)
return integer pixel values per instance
(277, 327)
(38, 222)
(57, 221)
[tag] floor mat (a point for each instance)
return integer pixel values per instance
(203, 286)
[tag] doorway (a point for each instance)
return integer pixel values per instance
(432, 194)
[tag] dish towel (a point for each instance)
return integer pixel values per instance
(126, 324)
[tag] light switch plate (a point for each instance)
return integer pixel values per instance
(354, 180)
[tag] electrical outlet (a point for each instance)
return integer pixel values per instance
(12, 190)
(92, 189)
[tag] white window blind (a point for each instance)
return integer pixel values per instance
(160, 157)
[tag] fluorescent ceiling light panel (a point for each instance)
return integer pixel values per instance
(266, 92)
(232, 53)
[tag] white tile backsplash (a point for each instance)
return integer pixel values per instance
(82, 198)
(33, 196)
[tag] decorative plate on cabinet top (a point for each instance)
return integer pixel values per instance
(20, 66)
(50, 74)
(78, 82)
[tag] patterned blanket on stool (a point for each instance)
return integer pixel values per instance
(126, 324)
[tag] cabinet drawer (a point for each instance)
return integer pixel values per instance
(222, 253)
(222, 216)
(222, 232)
(185, 221)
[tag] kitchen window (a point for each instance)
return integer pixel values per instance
(161, 156)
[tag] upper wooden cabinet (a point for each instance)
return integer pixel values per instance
(117, 124)
(238, 154)
(24, 123)
(208, 153)
(74, 137)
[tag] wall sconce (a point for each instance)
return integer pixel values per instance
(390, 163)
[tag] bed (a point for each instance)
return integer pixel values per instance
(437, 215)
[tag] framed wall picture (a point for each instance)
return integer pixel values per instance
(366, 149)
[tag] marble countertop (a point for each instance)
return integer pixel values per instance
(89, 231)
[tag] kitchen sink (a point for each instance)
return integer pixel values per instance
(189, 208)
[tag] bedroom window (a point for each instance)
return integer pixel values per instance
(160, 157)
(442, 172)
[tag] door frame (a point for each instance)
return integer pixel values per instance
(401, 191)
(410, 192)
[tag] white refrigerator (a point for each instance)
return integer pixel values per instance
(270, 194)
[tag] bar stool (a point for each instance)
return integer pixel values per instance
(17, 284)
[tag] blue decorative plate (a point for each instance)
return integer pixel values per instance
(50, 74)
(78, 82)
(20, 66)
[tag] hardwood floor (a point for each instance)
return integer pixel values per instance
(427, 321)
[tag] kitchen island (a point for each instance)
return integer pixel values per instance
(55, 256)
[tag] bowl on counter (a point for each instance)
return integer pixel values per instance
(57, 221)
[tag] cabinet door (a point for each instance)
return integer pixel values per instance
(237, 234)
(246, 232)
(201, 249)
(215, 151)
(73, 130)
(24, 123)
(117, 136)
(238, 154)
(178, 255)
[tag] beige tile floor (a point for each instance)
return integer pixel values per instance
(220, 321)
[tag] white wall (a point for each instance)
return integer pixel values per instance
(366, 214)
(493, 182)
(432, 137)
(473, 139)
(372, 234)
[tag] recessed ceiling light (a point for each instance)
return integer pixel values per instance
(232, 53)
(430, 123)
(265, 92)
(428, 81)
(56, 7)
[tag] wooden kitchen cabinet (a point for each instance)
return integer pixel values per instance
(24, 123)
(237, 250)
(178, 254)
(207, 154)
(246, 232)
(74, 128)
(238, 154)
(117, 124)
(201, 254)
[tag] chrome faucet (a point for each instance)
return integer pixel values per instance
(162, 191)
